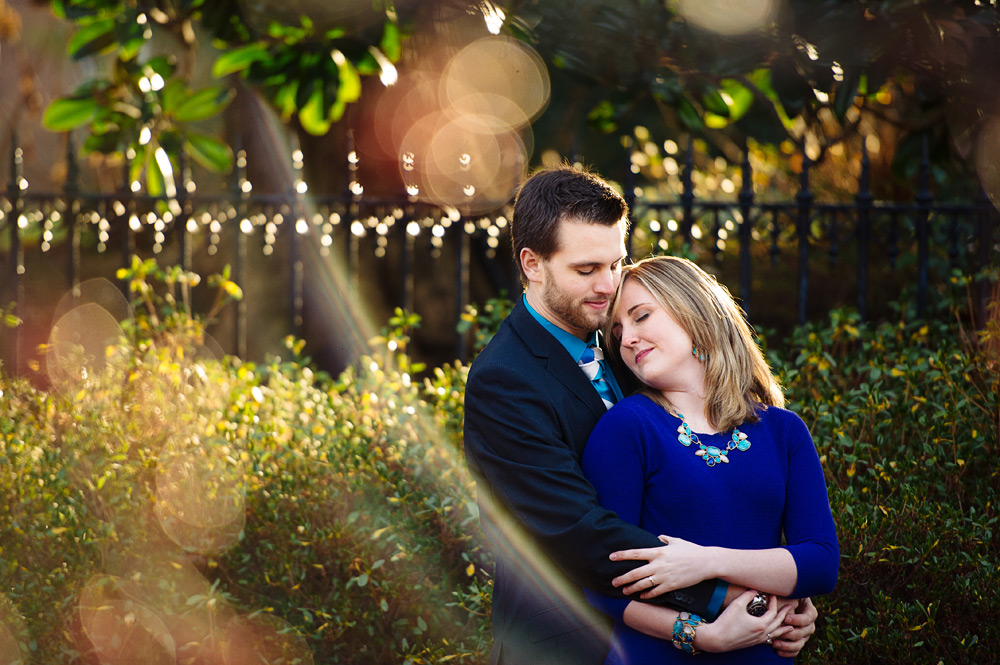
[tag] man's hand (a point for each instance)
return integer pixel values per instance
(676, 565)
(803, 623)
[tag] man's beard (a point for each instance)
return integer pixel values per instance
(574, 312)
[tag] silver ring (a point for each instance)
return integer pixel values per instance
(769, 641)
(652, 582)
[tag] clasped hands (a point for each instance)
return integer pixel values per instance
(788, 624)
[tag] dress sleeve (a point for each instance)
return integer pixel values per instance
(529, 472)
(615, 463)
(810, 532)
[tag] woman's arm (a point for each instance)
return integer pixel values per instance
(734, 629)
(772, 570)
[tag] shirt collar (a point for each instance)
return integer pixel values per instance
(573, 344)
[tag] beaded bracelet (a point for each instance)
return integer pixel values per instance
(684, 629)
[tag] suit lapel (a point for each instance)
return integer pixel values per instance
(554, 358)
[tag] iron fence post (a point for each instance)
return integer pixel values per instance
(16, 267)
(629, 197)
(240, 194)
(462, 295)
(863, 200)
(923, 222)
(687, 195)
(71, 191)
(804, 199)
(746, 228)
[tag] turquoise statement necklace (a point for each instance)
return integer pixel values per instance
(711, 454)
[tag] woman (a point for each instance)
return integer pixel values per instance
(705, 454)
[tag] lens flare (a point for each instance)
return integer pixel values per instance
(120, 629)
(501, 74)
(466, 163)
(263, 638)
(728, 17)
(199, 495)
(84, 341)
(13, 635)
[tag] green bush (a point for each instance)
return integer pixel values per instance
(905, 415)
(160, 504)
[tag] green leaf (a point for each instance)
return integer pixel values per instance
(349, 89)
(210, 152)
(203, 104)
(93, 38)
(689, 116)
(313, 115)
(238, 59)
(173, 94)
(714, 103)
(155, 179)
(69, 113)
(392, 42)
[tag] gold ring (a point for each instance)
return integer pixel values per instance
(652, 582)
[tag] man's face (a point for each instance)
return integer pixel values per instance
(574, 286)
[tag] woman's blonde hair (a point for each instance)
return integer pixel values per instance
(738, 379)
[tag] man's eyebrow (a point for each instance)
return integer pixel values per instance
(596, 263)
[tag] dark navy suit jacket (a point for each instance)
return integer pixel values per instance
(529, 411)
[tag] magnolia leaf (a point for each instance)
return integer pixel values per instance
(313, 115)
(239, 59)
(69, 113)
(155, 178)
(208, 151)
(392, 42)
(93, 38)
(349, 89)
(203, 104)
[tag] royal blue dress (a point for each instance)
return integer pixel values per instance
(775, 488)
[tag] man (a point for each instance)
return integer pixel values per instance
(529, 409)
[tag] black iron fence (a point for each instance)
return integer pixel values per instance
(313, 258)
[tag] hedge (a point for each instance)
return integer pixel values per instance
(157, 505)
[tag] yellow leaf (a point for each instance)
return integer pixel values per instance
(851, 470)
(470, 571)
(378, 533)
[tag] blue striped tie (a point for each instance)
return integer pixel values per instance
(592, 364)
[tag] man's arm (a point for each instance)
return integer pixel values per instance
(516, 443)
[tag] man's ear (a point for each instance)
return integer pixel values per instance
(531, 264)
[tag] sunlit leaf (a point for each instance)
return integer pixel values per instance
(208, 151)
(313, 115)
(203, 104)
(69, 113)
(392, 42)
(349, 89)
(93, 38)
(238, 59)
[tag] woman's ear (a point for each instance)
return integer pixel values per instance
(531, 264)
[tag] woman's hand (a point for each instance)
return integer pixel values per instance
(677, 565)
(736, 629)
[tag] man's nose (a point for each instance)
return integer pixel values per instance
(607, 283)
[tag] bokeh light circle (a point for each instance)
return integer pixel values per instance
(263, 638)
(120, 629)
(199, 495)
(728, 17)
(501, 74)
(84, 341)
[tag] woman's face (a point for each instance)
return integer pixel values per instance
(653, 345)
